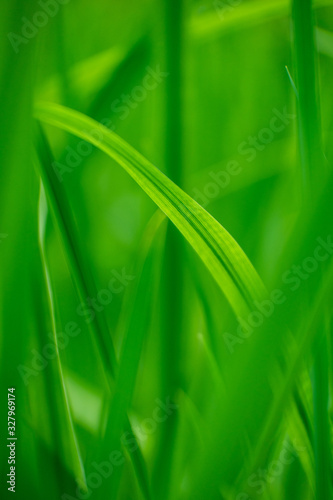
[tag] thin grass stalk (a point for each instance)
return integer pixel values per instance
(84, 284)
(321, 418)
(313, 173)
(309, 128)
(172, 316)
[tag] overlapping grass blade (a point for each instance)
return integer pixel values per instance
(70, 236)
(220, 253)
(257, 374)
(308, 332)
(83, 280)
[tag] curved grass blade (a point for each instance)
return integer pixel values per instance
(173, 200)
(221, 254)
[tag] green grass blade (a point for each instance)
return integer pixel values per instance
(265, 382)
(69, 234)
(138, 323)
(172, 320)
(82, 277)
(309, 128)
(312, 320)
(19, 241)
(324, 41)
(63, 428)
(322, 432)
(218, 250)
(313, 169)
(246, 15)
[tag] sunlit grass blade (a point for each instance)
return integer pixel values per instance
(166, 187)
(220, 253)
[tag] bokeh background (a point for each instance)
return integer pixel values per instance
(207, 91)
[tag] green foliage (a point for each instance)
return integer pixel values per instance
(166, 246)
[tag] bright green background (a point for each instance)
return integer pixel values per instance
(163, 336)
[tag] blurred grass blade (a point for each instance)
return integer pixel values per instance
(237, 17)
(173, 314)
(69, 234)
(82, 277)
(93, 78)
(270, 361)
(63, 429)
(309, 129)
(313, 169)
(133, 63)
(18, 222)
(220, 253)
(322, 431)
(324, 41)
(307, 335)
(138, 323)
